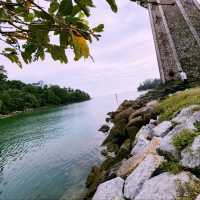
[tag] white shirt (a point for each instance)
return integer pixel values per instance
(183, 76)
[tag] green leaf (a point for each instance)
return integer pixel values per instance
(64, 38)
(58, 53)
(66, 7)
(53, 6)
(99, 28)
(113, 5)
(14, 59)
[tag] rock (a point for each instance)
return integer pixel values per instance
(110, 190)
(185, 114)
(117, 133)
(125, 104)
(104, 128)
(142, 139)
(144, 133)
(152, 104)
(153, 122)
(165, 186)
(162, 129)
(123, 115)
(118, 198)
(146, 112)
(166, 145)
(108, 119)
(140, 146)
(137, 121)
(195, 118)
(143, 172)
(132, 131)
(124, 149)
(190, 156)
(104, 152)
(198, 197)
(129, 165)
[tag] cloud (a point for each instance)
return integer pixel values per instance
(124, 57)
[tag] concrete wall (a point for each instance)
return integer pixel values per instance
(176, 31)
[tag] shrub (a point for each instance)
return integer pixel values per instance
(184, 138)
(171, 166)
(149, 84)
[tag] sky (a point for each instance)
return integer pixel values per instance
(124, 57)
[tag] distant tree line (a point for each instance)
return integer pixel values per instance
(149, 84)
(18, 96)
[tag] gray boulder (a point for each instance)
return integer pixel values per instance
(165, 186)
(166, 144)
(190, 156)
(143, 172)
(185, 114)
(162, 129)
(140, 146)
(144, 132)
(142, 139)
(110, 190)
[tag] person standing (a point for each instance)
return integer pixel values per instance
(183, 76)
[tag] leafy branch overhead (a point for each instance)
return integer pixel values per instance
(28, 29)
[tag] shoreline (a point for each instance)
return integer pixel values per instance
(29, 110)
(125, 141)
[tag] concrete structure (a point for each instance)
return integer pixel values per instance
(176, 31)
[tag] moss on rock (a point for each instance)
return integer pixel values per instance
(183, 139)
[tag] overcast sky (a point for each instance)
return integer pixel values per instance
(124, 57)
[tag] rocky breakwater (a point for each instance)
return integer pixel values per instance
(146, 158)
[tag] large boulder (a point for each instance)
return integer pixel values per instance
(124, 149)
(110, 190)
(142, 139)
(167, 186)
(131, 132)
(147, 112)
(143, 172)
(162, 129)
(140, 146)
(123, 115)
(116, 134)
(166, 145)
(137, 121)
(129, 165)
(190, 156)
(185, 114)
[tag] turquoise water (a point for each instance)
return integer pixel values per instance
(47, 154)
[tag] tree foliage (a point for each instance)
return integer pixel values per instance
(149, 84)
(27, 29)
(18, 96)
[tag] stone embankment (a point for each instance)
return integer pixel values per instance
(148, 158)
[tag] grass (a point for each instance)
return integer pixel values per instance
(188, 191)
(183, 139)
(171, 166)
(177, 102)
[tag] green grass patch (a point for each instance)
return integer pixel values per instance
(197, 125)
(171, 166)
(177, 102)
(183, 139)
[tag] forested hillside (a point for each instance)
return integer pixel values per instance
(18, 96)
